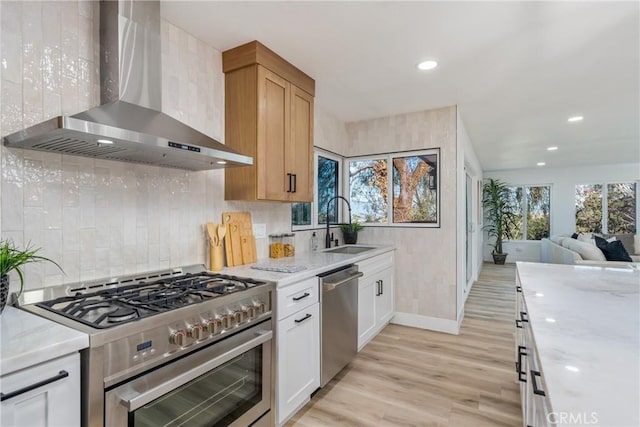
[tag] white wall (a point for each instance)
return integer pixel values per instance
(425, 271)
(563, 182)
(100, 218)
(467, 163)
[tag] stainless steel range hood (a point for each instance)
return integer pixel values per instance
(129, 125)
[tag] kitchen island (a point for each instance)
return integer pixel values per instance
(578, 329)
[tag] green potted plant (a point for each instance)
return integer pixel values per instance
(12, 258)
(350, 232)
(499, 215)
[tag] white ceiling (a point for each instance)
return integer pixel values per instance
(517, 70)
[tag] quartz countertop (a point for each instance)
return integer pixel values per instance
(315, 263)
(586, 327)
(27, 339)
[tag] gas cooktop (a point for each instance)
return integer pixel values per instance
(104, 305)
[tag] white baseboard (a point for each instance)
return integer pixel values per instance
(427, 322)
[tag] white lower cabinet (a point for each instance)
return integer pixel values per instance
(298, 360)
(375, 297)
(47, 394)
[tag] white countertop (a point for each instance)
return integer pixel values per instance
(316, 263)
(27, 339)
(590, 354)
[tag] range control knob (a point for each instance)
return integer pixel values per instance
(213, 326)
(240, 316)
(251, 312)
(261, 307)
(178, 337)
(195, 332)
(227, 321)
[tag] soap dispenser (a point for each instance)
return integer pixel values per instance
(314, 242)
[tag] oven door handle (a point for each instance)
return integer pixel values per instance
(134, 400)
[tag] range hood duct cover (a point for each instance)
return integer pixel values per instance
(129, 125)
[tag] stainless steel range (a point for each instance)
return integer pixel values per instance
(174, 347)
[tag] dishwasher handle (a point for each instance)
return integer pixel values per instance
(329, 286)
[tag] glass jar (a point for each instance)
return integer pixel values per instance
(276, 246)
(289, 245)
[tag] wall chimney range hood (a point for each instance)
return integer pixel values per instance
(129, 125)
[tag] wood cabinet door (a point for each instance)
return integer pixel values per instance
(300, 159)
(274, 132)
(298, 360)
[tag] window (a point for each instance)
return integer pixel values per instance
(409, 197)
(531, 208)
(327, 182)
(606, 208)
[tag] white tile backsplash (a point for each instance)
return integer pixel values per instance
(100, 218)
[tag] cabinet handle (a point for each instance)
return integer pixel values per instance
(61, 375)
(303, 319)
(303, 296)
(381, 287)
(518, 323)
(524, 316)
(377, 288)
(290, 175)
(518, 288)
(534, 384)
(521, 352)
(295, 183)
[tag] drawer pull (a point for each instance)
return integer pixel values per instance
(303, 296)
(61, 375)
(303, 319)
(518, 323)
(524, 316)
(534, 384)
(521, 352)
(518, 288)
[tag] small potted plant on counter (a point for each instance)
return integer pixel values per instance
(12, 258)
(499, 214)
(350, 232)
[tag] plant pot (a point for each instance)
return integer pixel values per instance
(350, 238)
(499, 259)
(4, 291)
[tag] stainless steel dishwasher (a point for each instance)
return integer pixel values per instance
(339, 320)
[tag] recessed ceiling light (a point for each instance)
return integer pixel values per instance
(104, 141)
(550, 319)
(539, 294)
(575, 119)
(541, 163)
(427, 65)
(221, 162)
(572, 369)
(552, 148)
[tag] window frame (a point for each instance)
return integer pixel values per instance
(605, 202)
(524, 206)
(389, 158)
(319, 152)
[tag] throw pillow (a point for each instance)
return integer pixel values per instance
(587, 251)
(613, 251)
(587, 238)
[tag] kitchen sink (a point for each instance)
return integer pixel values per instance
(349, 249)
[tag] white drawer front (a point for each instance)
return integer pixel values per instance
(377, 263)
(297, 296)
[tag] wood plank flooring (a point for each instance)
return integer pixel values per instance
(412, 377)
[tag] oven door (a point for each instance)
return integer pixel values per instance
(227, 383)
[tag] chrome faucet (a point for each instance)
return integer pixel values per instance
(327, 240)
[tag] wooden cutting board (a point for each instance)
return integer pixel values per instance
(240, 244)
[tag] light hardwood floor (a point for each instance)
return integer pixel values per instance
(413, 377)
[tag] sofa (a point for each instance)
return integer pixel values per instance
(567, 250)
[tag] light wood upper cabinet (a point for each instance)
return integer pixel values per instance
(269, 116)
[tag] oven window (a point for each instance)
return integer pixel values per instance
(217, 398)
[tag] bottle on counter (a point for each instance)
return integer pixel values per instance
(314, 242)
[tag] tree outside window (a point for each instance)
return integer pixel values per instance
(531, 209)
(606, 208)
(408, 197)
